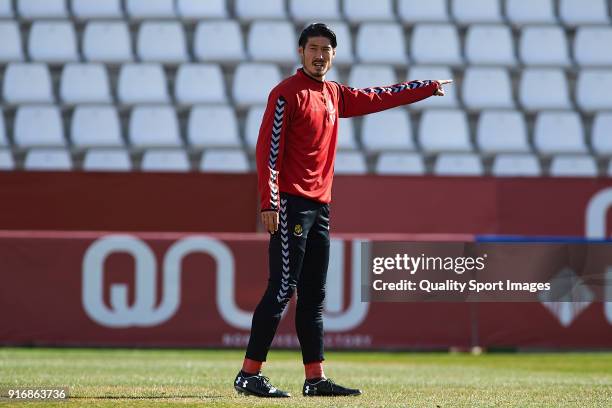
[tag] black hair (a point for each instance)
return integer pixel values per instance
(317, 30)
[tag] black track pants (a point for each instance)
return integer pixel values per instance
(298, 255)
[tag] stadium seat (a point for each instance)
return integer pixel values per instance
(367, 76)
(85, 83)
(304, 11)
(165, 160)
(107, 42)
(52, 42)
(432, 72)
(92, 9)
(476, 11)
(219, 41)
(198, 9)
(521, 12)
(419, 11)
(213, 126)
(50, 159)
(357, 11)
(601, 134)
(387, 130)
(544, 45)
(458, 164)
(516, 165)
(96, 126)
(435, 44)
(487, 44)
(573, 166)
(199, 83)
(346, 134)
(141, 9)
(37, 9)
(107, 160)
(500, 131)
(154, 126)
(252, 125)
(6, 160)
(279, 33)
(370, 48)
(344, 51)
(27, 83)
(398, 163)
(559, 132)
(224, 161)
(10, 46)
(535, 80)
(247, 10)
(588, 43)
(37, 125)
(3, 137)
(594, 89)
(575, 12)
(478, 83)
(444, 130)
(142, 83)
(350, 163)
(6, 9)
(162, 42)
(246, 91)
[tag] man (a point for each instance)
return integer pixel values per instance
(295, 161)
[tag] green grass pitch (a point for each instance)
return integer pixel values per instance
(203, 378)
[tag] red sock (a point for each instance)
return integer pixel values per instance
(251, 366)
(314, 370)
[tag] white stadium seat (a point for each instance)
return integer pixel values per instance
(419, 11)
(107, 160)
(10, 46)
(344, 50)
(247, 10)
(601, 133)
(303, 11)
(141, 9)
(434, 72)
(398, 163)
(478, 84)
(593, 46)
(162, 42)
(573, 166)
(279, 33)
(350, 163)
(37, 9)
(224, 161)
(346, 134)
(559, 132)
(444, 130)
(165, 160)
(544, 45)
(553, 81)
(476, 11)
(38, 125)
(199, 83)
(252, 125)
(219, 41)
(521, 12)
(500, 131)
(458, 164)
(96, 126)
(107, 42)
(387, 130)
(6, 160)
(142, 83)
(198, 9)
(367, 76)
(52, 42)
(516, 165)
(435, 44)
(357, 11)
(85, 83)
(27, 83)
(246, 91)
(213, 126)
(90, 9)
(49, 159)
(370, 48)
(487, 44)
(575, 12)
(594, 89)
(6, 9)
(154, 126)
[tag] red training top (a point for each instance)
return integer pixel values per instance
(297, 139)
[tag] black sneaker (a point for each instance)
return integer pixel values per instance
(257, 385)
(327, 388)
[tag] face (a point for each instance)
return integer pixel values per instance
(317, 56)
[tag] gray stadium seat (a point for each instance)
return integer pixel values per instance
(370, 48)
(304, 11)
(107, 42)
(247, 92)
(344, 51)
(521, 12)
(96, 126)
(478, 83)
(435, 44)
(476, 11)
(165, 160)
(573, 166)
(501, 131)
(198, 9)
(6, 9)
(489, 44)
(224, 161)
(162, 41)
(444, 130)
(601, 134)
(279, 33)
(593, 46)
(553, 80)
(434, 72)
(6, 160)
(53, 42)
(93, 9)
(252, 124)
(387, 130)
(27, 83)
(213, 126)
(37, 9)
(367, 76)
(247, 10)
(398, 163)
(106, 159)
(199, 83)
(48, 159)
(154, 126)
(559, 132)
(544, 45)
(141, 9)
(85, 83)
(419, 11)
(575, 12)
(350, 163)
(10, 46)
(458, 164)
(357, 11)
(219, 41)
(516, 165)
(346, 134)
(594, 89)
(142, 83)
(38, 126)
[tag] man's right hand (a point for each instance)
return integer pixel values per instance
(269, 219)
